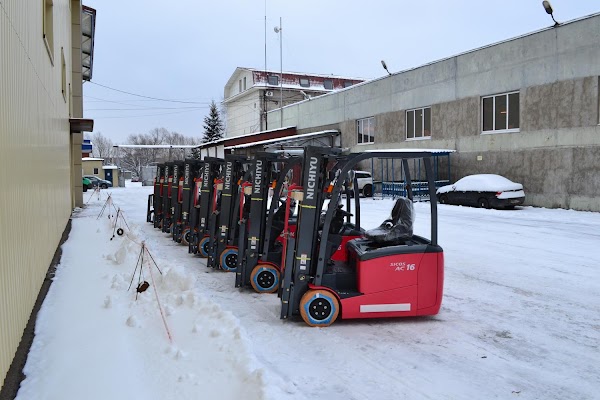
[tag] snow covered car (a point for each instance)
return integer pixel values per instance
(483, 190)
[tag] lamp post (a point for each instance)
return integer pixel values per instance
(279, 29)
(550, 11)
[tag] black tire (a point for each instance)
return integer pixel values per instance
(443, 199)
(367, 190)
(483, 203)
(104, 186)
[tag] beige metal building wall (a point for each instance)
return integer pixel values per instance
(35, 165)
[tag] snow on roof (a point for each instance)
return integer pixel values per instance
(91, 159)
(156, 146)
(410, 150)
(219, 141)
(482, 183)
(110, 167)
(283, 139)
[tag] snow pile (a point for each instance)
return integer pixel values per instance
(94, 340)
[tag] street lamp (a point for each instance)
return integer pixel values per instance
(279, 29)
(549, 10)
(385, 67)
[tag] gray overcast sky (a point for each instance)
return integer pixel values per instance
(187, 49)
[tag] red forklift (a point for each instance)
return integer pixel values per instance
(388, 272)
(176, 199)
(154, 210)
(166, 198)
(258, 233)
(224, 225)
(187, 192)
(199, 238)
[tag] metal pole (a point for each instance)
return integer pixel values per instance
(281, 69)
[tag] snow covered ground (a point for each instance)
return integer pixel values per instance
(520, 319)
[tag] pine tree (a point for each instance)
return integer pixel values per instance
(213, 126)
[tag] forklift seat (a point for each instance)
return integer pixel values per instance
(397, 228)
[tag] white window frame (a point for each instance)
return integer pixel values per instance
(360, 129)
(306, 80)
(422, 137)
(493, 96)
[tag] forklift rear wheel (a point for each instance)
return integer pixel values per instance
(186, 236)
(203, 247)
(228, 259)
(319, 307)
(170, 228)
(265, 278)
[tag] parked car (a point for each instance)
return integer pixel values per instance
(101, 183)
(483, 190)
(364, 180)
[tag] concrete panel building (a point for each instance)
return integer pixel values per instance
(42, 50)
(527, 108)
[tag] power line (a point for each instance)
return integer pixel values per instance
(147, 97)
(145, 115)
(145, 108)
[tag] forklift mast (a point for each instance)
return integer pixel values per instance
(290, 164)
(251, 247)
(211, 170)
(157, 196)
(195, 185)
(176, 198)
(166, 205)
(314, 179)
(234, 170)
(190, 172)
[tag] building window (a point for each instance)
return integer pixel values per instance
(328, 84)
(500, 113)
(95, 171)
(304, 82)
(365, 130)
(244, 83)
(418, 123)
(48, 27)
(347, 84)
(63, 74)
(273, 80)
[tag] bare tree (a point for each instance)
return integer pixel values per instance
(134, 159)
(102, 147)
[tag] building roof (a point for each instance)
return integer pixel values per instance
(286, 140)
(110, 167)
(92, 159)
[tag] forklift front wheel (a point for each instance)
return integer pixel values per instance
(319, 307)
(203, 247)
(228, 259)
(186, 236)
(265, 278)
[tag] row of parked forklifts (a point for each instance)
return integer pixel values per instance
(291, 224)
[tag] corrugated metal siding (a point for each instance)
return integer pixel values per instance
(35, 199)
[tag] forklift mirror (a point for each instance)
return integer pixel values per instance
(297, 195)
